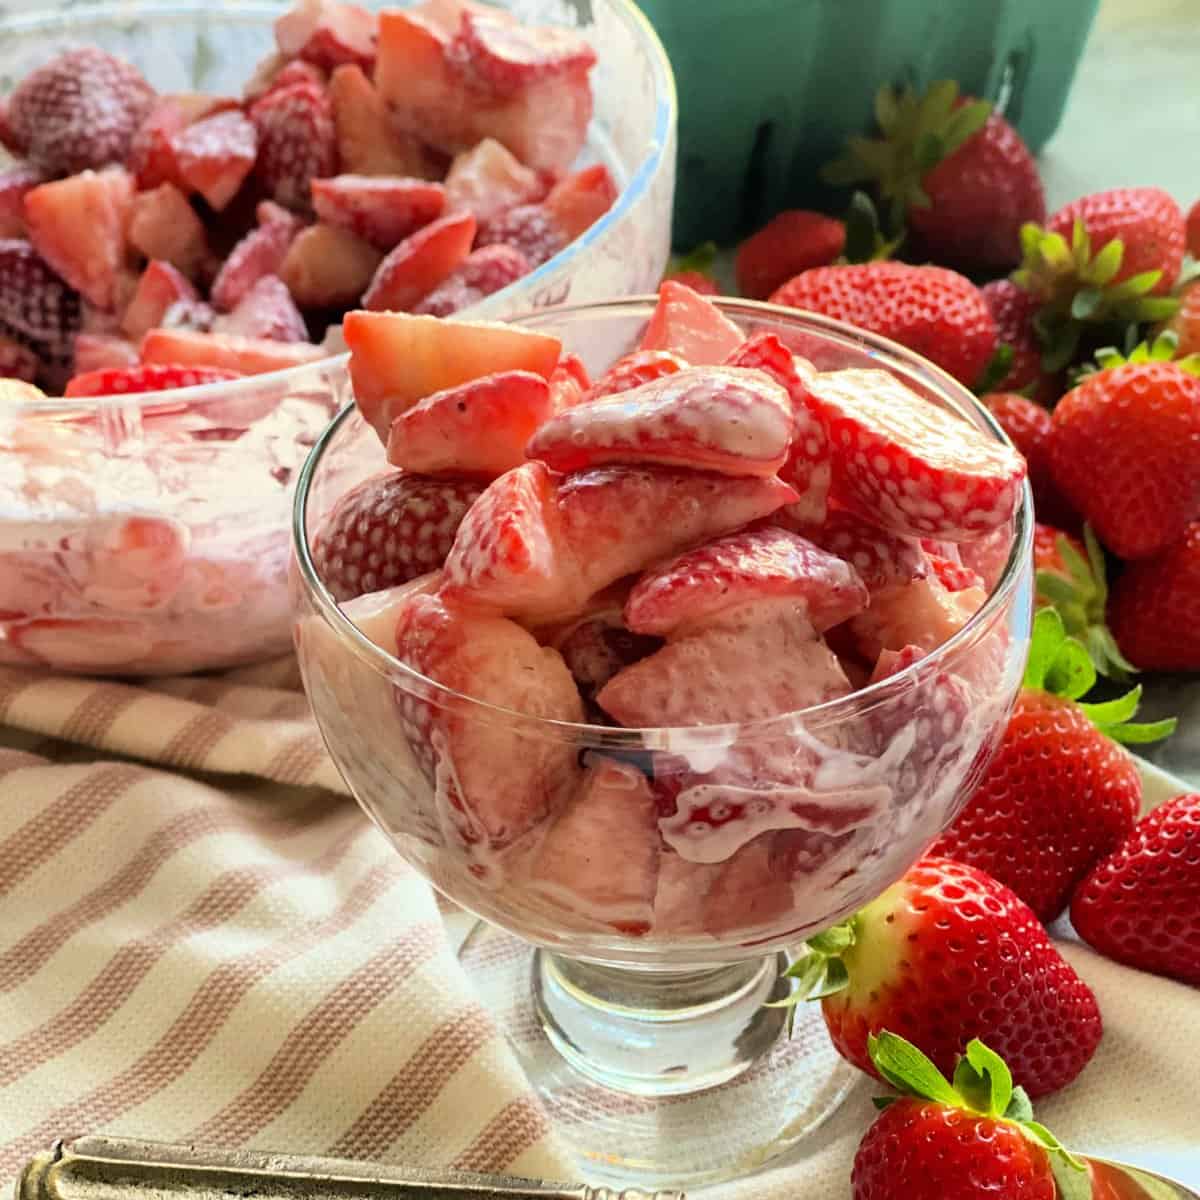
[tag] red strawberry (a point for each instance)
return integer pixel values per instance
(1147, 221)
(79, 110)
(159, 287)
(883, 560)
(1151, 611)
(265, 311)
(723, 419)
(383, 210)
(297, 142)
(327, 267)
(34, 302)
(261, 252)
(528, 227)
(164, 226)
(1192, 226)
(17, 361)
(642, 366)
(578, 201)
(935, 312)
(213, 156)
(389, 529)
(419, 263)
(696, 281)
(155, 377)
(276, 72)
(1030, 428)
(78, 226)
(910, 466)
(1013, 309)
(1060, 793)
(536, 546)
(791, 242)
(327, 34)
(942, 956)
(1141, 904)
(742, 569)
(569, 383)
(1185, 324)
(481, 274)
(246, 355)
(151, 158)
(1126, 453)
(396, 359)
(488, 180)
(687, 324)
(969, 1140)
(15, 183)
(952, 575)
(97, 351)
(367, 142)
(477, 428)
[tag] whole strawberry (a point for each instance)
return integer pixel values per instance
(1126, 452)
(1014, 310)
(1028, 426)
(1185, 324)
(1193, 230)
(935, 312)
(791, 242)
(1060, 792)
(956, 172)
(1154, 611)
(946, 954)
(974, 1139)
(1141, 904)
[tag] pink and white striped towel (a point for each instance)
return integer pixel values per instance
(202, 939)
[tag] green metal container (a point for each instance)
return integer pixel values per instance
(769, 89)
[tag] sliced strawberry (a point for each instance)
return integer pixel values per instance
(163, 226)
(97, 351)
(388, 530)
(699, 587)
(214, 156)
(599, 862)
(809, 465)
(151, 160)
(248, 356)
(297, 142)
(882, 559)
(78, 111)
(367, 143)
(537, 547)
(577, 202)
(328, 34)
(15, 183)
(419, 263)
(261, 252)
(265, 311)
(396, 359)
(381, 209)
(78, 226)
(923, 613)
(747, 893)
(709, 418)
(642, 366)
(569, 383)
(493, 785)
(481, 274)
(691, 326)
(530, 228)
(911, 466)
(328, 267)
(478, 428)
(953, 576)
(35, 303)
(156, 377)
(17, 361)
(160, 286)
(499, 55)
(488, 180)
(275, 72)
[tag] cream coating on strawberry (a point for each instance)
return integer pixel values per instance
(215, 155)
(328, 34)
(882, 559)
(419, 263)
(924, 613)
(260, 252)
(633, 370)
(265, 311)
(722, 419)
(383, 210)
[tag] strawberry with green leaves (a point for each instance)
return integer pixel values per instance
(1061, 792)
(1030, 428)
(953, 171)
(973, 1139)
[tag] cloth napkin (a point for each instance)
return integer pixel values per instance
(202, 939)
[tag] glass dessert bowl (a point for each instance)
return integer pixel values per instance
(147, 533)
(642, 889)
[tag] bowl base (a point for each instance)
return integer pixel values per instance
(679, 1095)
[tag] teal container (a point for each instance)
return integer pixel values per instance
(769, 89)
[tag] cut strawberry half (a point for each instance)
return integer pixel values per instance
(923, 613)
(367, 142)
(388, 530)
(265, 311)
(577, 202)
(297, 142)
(261, 252)
(478, 428)
(215, 155)
(78, 226)
(95, 351)
(164, 226)
(154, 377)
(396, 359)
(716, 419)
(382, 210)
(15, 183)
(247, 356)
(159, 287)
(488, 180)
(569, 383)
(499, 55)
(419, 263)
(687, 324)
(481, 274)
(702, 586)
(528, 227)
(328, 34)
(276, 72)
(642, 366)
(882, 559)
(328, 267)
(909, 465)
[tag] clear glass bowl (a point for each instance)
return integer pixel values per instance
(137, 541)
(662, 992)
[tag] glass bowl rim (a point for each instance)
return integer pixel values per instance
(673, 737)
(641, 179)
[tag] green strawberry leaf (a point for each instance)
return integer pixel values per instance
(997, 367)
(701, 259)
(908, 1070)
(1072, 673)
(1086, 303)
(835, 940)
(1073, 1182)
(983, 1079)
(1113, 719)
(1020, 1108)
(1114, 712)
(964, 123)
(1048, 635)
(1142, 735)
